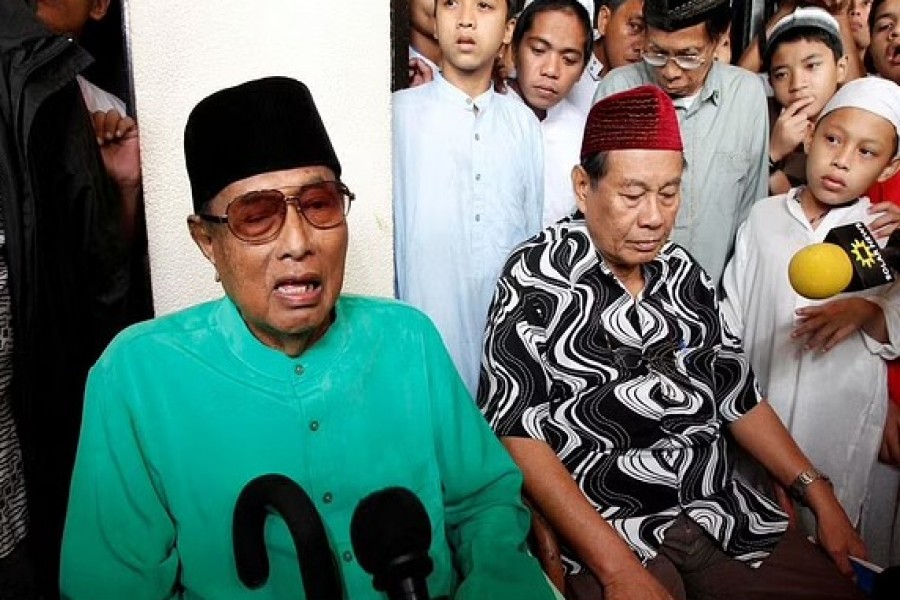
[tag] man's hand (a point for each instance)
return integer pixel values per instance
(826, 325)
(790, 128)
(890, 438)
(117, 136)
(834, 530)
(634, 584)
(884, 225)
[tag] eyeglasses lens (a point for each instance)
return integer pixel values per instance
(258, 216)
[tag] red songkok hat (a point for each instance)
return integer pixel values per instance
(642, 118)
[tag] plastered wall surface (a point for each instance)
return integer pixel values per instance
(182, 51)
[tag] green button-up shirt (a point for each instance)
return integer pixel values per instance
(182, 411)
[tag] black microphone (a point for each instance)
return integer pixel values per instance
(849, 260)
(276, 493)
(391, 533)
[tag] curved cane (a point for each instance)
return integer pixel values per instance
(279, 494)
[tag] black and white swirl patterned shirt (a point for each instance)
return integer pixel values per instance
(631, 394)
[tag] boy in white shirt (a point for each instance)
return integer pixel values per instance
(468, 179)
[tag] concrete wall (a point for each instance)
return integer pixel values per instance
(182, 51)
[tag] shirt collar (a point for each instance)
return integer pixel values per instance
(269, 362)
(655, 272)
(453, 94)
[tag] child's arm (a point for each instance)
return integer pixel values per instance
(826, 325)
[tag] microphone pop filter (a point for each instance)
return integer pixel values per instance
(391, 534)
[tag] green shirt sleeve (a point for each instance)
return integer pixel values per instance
(119, 541)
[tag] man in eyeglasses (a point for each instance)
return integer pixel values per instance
(344, 395)
(722, 113)
(612, 380)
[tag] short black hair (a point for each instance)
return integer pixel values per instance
(807, 34)
(512, 7)
(716, 20)
(595, 165)
(526, 21)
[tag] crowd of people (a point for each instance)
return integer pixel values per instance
(594, 216)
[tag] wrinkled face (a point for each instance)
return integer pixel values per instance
(421, 16)
(550, 58)
(470, 33)
(859, 22)
(803, 69)
(849, 150)
(623, 33)
(70, 16)
(631, 209)
(692, 41)
(885, 44)
(285, 289)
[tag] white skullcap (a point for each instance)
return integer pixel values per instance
(874, 94)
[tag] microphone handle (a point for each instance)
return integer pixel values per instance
(410, 588)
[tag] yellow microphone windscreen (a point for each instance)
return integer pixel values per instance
(820, 271)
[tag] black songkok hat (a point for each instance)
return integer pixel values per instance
(257, 127)
(673, 15)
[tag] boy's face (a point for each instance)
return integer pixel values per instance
(849, 150)
(803, 69)
(859, 22)
(623, 33)
(470, 33)
(885, 44)
(550, 58)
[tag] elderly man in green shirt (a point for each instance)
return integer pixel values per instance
(723, 117)
(343, 395)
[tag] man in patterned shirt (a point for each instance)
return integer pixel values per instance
(610, 377)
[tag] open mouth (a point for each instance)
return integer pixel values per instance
(893, 54)
(299, 291)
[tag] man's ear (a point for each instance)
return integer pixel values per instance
(581, 184)
(202, 237)
(99, 9)
(603, 17)
(807, 140)
(889, 171)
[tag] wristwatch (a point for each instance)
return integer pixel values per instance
(802, 482)
(775, 165)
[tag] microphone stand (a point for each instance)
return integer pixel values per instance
(276, 493)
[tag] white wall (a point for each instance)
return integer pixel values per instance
(183, 51)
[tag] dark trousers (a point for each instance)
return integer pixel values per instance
(17, 576)
(691, 565)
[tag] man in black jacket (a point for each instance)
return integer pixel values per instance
(63, 287)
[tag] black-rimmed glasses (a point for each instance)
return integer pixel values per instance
(257, 217)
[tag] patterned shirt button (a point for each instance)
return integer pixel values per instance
(313, 425)
(299, 369)
(348, 556)
(327, 498)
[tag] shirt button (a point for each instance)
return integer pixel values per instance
(327, 498)
(477, 137)
(477, 218)
(478, 177)
(468, 101)
(347, 556)
(298, 370)
(313, 425)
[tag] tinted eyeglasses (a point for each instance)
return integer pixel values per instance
(257, 217)
(685, 62)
